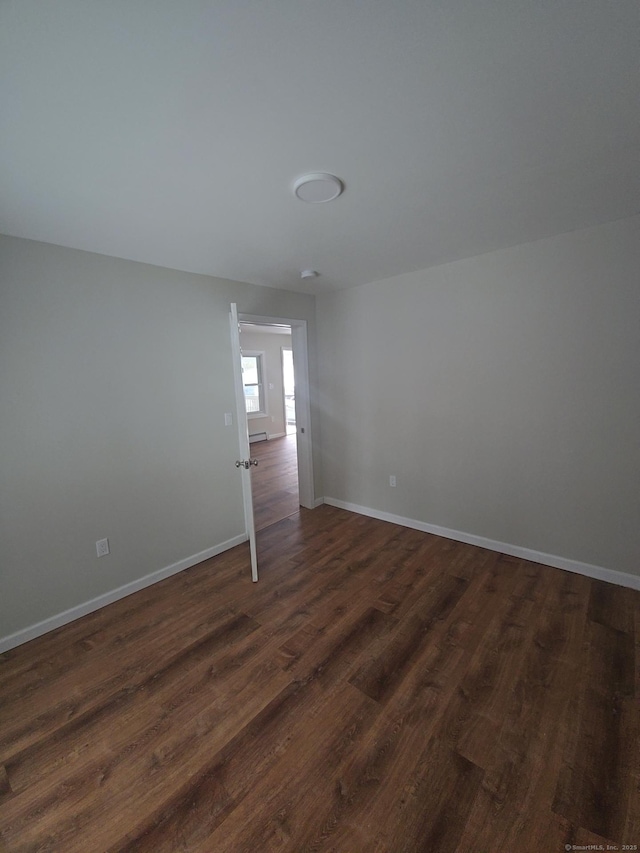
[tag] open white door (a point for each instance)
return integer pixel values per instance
(243, 464)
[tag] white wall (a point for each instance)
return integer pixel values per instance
(503, 391)
(271, 345)
(114, 380)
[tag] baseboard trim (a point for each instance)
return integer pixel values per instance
(597, 572)
(318, 502)
(46, 625)
(276, 435)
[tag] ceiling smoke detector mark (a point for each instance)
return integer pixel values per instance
(318, 187)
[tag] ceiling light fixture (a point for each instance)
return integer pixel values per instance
(318, 187)
(309, 274)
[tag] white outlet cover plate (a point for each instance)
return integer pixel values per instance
(102, 547)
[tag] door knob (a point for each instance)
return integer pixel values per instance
(245, 463)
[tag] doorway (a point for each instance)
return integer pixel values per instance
(269, 396)
(291, 459)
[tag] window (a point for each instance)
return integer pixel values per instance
(252, 379)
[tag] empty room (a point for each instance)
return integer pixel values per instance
(319, 426)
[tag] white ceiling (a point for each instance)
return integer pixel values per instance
(171, 132)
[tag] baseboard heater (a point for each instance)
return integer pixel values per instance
(258, 436)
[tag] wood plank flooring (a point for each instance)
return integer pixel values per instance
(274, 481)
(379, 690)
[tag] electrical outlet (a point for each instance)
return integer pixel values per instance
(392, 480)
(102, 547)
(228, 419)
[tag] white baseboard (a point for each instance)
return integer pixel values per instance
(33, 631)
(597, 572)
(318, 502)
(276, 435)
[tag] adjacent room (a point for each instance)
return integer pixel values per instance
(269, 387)
(319, 426)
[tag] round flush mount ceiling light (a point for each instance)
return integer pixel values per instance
(318, 187)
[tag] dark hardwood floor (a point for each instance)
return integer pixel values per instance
(379, 689)
(274, 482)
